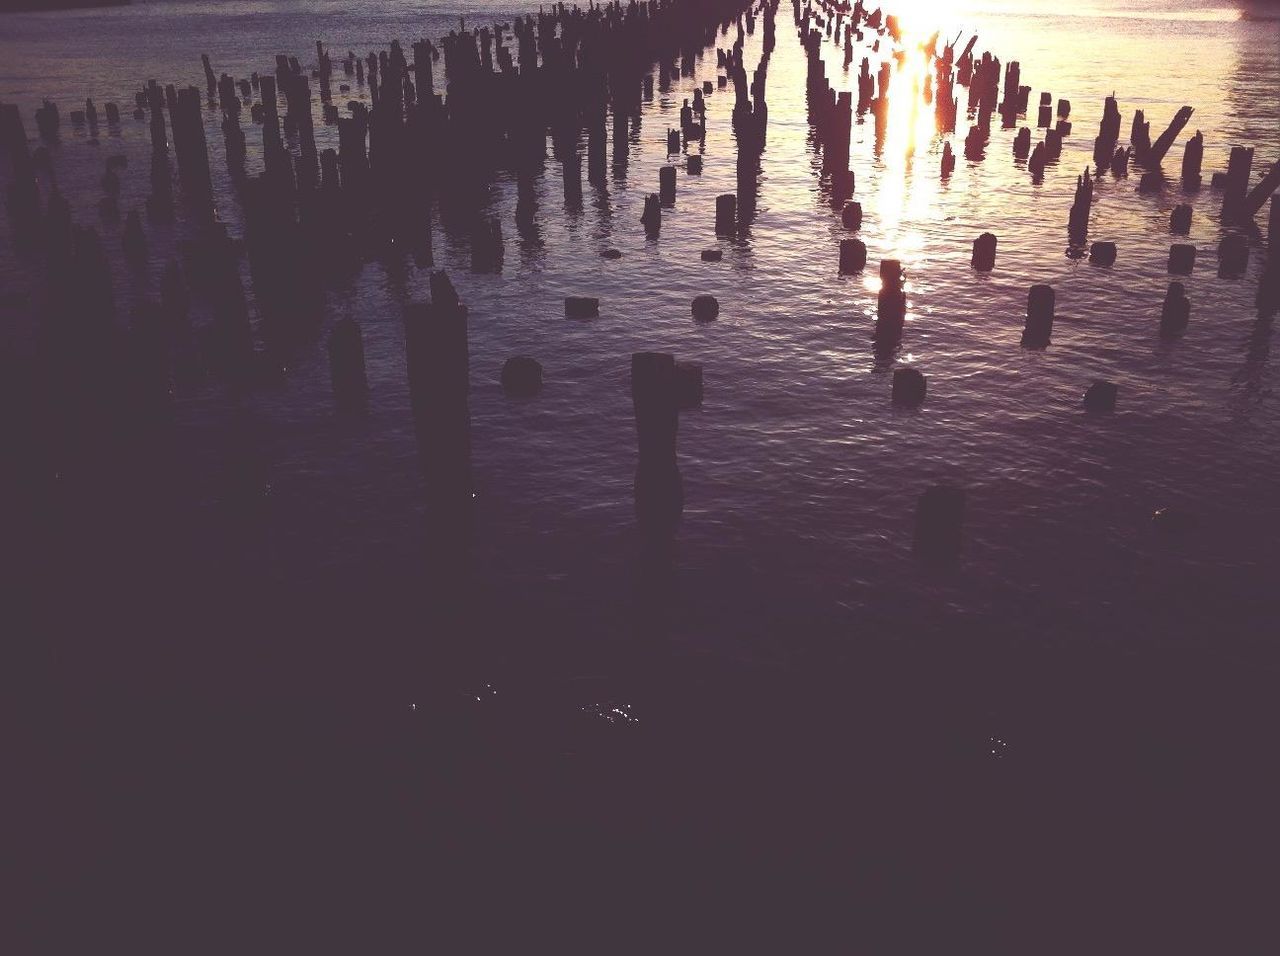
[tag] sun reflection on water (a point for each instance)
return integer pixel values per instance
(907, 193)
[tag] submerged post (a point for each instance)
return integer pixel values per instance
(659, 493)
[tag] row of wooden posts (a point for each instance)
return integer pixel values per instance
(830, 114)
(415, 148)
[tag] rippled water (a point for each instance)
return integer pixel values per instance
(794, 553)
(800, 476)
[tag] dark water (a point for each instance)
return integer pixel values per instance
(257, 654)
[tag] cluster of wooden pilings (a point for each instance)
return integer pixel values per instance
(822, 21)
(819, 22)
(312, 214)
(415, 150)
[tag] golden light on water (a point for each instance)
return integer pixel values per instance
(909, 160)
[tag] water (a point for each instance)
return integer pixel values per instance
(791, 593)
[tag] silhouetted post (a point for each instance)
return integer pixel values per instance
(1120, 163)
(597, 152)
(651, 219)
(621, 147)
(726, 214)
(853, 256)
(1052, 145)
(705, 308)
(909, 387)
(1180, 219)
(1108, 134)
(1038, 329)
(659, 493)
(1176, 311)
(1078, 220)
(1237, 186)
(1100, 397)
(984, 252)
(1103, 253)
(851, 216)
(1022, 143)
(1260, 193)
(1182, 258)
(1035, 164)
(1140, 136)
(667, 185)
(891, 306)
(1192, 157)
(1156, 151)
(436, 345)
(581, 307)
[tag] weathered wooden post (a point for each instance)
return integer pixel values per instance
(1100, 397)
(1192, 157)
(1038, 329)
(1237, 186)
(1182, 258)
(726, 214)
(572, 169)
(667, 185)
(1176, 311)
(853, 256)
(705, 308)
(1156, 151)
(581, 307)
(1103, 253)
(984, 252)
(439, 381)
(909, 387)
(651, 219)
(1078, 220)
(1022, 143)
(659, 493)
(1045, 119)
(1036, 163)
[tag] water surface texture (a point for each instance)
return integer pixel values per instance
(800, 475)
(295, 544)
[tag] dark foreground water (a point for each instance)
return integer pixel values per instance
(262, 692)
